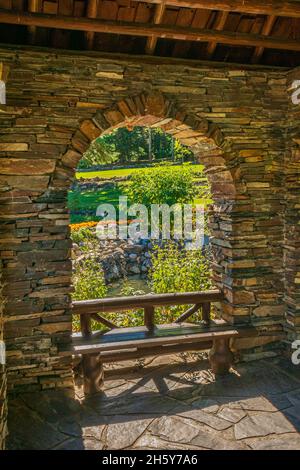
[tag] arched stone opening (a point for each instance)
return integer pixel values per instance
(36, 176)
(203, 138)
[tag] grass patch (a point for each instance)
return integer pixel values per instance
(124, 172)
(83, 204)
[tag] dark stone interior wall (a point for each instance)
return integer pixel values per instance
(56, 103)
(3, 382)
(292, 215)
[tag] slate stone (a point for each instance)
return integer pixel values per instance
(29, 431)
(123, 432)
(181, 430)
(230, 414)
(201, 416)
(262, 424)
(149, 442)
(289, 441)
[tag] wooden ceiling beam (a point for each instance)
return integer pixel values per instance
(141, 29)
(289, 9)
(34, 6)
(158, 16)
(219, 26)
(266, 30)
(91, 12)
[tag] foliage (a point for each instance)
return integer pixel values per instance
(89, 280)
(133, 145)
(82, 235)
(86, 238)
(83, 204)
(89, 283)
(173, 270)
(127, 171)
(164, 184)
(130, 317)
(178, 270)
(98, 153)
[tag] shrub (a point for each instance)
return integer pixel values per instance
(86, 238)
(130, 317)
(89, 283)
(178, 270)
(164, 184)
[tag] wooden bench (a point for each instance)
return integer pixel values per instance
(119, 344)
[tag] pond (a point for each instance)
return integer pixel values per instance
(132, 285)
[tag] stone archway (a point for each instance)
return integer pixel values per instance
(54, 104)
(203, 138)
(153, 109)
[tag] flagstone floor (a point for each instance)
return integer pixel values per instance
(167, 403)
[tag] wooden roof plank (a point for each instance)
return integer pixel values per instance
(50, 8)
(289, 9)
(219, 26)
(141, 29)
(65, 7)
(34, 6)
(266, 30)
(91, 12)
(158, 16)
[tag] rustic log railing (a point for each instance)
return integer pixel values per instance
(125, 343)
(93, 309)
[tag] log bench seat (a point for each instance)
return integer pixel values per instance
(119, 344)
(132, 343)
(137, 339)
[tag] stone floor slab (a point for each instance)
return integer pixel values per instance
(180, 406)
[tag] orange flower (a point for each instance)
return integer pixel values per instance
(91, 224)
(83, 225)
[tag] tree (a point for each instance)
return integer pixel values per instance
(98, 153)
(131, 146)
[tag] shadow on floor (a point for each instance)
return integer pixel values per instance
(180, 405)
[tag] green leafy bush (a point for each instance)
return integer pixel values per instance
(164, 184)
(130, 317)
(178, 270)
(89, 283)
(81, 235)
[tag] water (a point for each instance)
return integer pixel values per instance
(134, 284)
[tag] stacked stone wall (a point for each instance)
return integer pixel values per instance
(3, 381)
(235, 121)
(292, 212)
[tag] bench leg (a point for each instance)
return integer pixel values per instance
(92, 368)
(220, 356)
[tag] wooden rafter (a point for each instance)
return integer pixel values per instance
(34, 6)
(289, 9)
(219, 26)
(140, 29)
(158, 16)
(91, 12)
(266, 30)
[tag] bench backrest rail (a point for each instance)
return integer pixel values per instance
(94, 309)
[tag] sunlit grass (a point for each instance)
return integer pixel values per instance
(124, 172)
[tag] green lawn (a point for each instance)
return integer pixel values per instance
(83, 204)
(124, 172)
